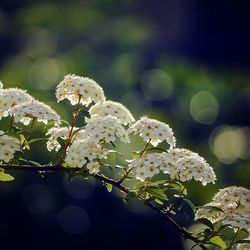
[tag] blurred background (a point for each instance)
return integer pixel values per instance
(183, 62)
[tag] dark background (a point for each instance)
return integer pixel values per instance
(184, 62)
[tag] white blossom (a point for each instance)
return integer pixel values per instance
(153, 130)
(105, 128)
(63, 133)
(179, 164)
(28, 111)
(233, 197)
(232, 205)
(211, 211)
(112, 108)
(236, 218)
(84, 152)
(10, 98)
(8, 147)
(74, 87)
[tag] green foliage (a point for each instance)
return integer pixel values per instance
(4, 176)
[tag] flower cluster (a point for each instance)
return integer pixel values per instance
(85, 152)
(105, 128)
(79, 89)
(8, 147)
(10, 98)
(63, 133)
(180, 164)
(236, 218)
(154, 131)
(231, 206)
(28, 111)
(114, 109)
(232, 197)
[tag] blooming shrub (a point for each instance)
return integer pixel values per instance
(156, 175)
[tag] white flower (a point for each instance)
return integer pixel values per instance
(153, 130)
(105, 128)
(8, 147)
(146, 166)
(26, 112)
(93, 167)
(233, 205)
(83, 152)
(233, 197)
(63, 133)
(211, 211)
(74, 87)
(112, 108)
(180, 164)
(10, 98)
(236, 218)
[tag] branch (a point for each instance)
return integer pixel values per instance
(57, 168)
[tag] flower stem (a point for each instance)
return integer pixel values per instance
(73, 124)
(130, 169)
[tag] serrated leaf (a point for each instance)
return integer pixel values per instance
(138, 185)
(157, 193)
(217, 240)
(5, 177)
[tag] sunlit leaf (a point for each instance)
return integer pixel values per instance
(217, 240)
(5, 177)
(157, 193)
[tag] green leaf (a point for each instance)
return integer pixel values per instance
(218, 241)
(136, 154)
(159, 201)
(179, 187)
(5, 177)
(109, 187)
(206, 222)
(157, 193)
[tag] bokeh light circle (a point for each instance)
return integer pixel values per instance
(156, 84)
(229, 143)
(37, 199)
(204, 107)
